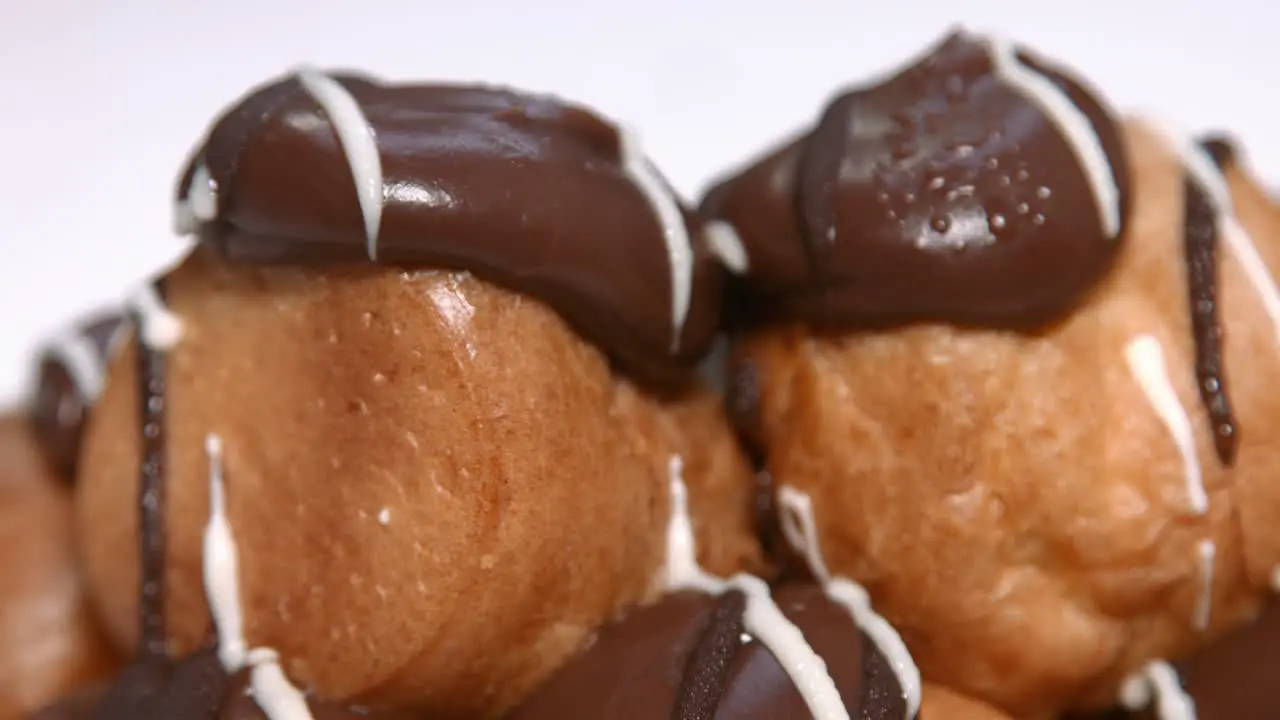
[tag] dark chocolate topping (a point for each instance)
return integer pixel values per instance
(1201, 248)
(1221, 149)
(523, 190)
(1233, 678)
(197, 688)
(948, 192)
(687, 657)
(63, 398)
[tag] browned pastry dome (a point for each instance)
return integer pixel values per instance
(1040, 510)
(432, 484)
(49, 642)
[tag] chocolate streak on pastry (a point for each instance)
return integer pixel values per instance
(1201, 248)
(525, 191)
(978, 186)
(668, 660)
(71, 370)
(152, 642)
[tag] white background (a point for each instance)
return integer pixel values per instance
(100, 100)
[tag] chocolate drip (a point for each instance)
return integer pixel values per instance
(707, 673)
(525, 191)
(948, 193)
(1201, 247)
(63, 399)
(152, 643)
(686, 657)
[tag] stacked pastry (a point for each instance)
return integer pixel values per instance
(424, 424)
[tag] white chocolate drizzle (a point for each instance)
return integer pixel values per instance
(724, 243)
(160, 328)
(1146, 364)
(671, 220)
(1070, 121)
(1158, 678)
(799, 527)
(1205, 553)
(359, 143)
(277, 697)
(77, 352)
(1199, 165)
(762, 618)
(199, 202)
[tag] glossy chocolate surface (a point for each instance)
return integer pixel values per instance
(196, 688)
(1234, 678)
(64, 396)
(946, 193)
(523, 190)
(687, 658)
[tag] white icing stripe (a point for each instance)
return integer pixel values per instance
(724, 243)
(1172, 702)
(222, 566)
(1275, 579)
(1200, 166)
(674, 232)
(1205, 553)
(358, 142)
(762, 618)
(1070, 121)
(160, 329)
(277, 697)
(799, 528)
(199, 202)
(77, 353)
(1146, 364)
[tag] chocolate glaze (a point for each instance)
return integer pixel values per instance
(943, 193)
(1200, 248)
(60, 406)
(1233, 678)
(197, 688)
(520, 189)
(686, 657)
(1221, 148)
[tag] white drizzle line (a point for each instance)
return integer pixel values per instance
(359, 142)
(725, 244)
(277, 697)
(674, 232)
(1146, 364)
(795, 515)
(762, 618)
(1070, 121)
(76, 352)
(1199, 165)
(199, 202)
(161, 329)
(1158, 678)
(1205, 553)
(1275, 579)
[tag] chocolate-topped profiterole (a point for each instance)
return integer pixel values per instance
(976, 186)
(524, 190)
(689, 657)
(70, 378)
